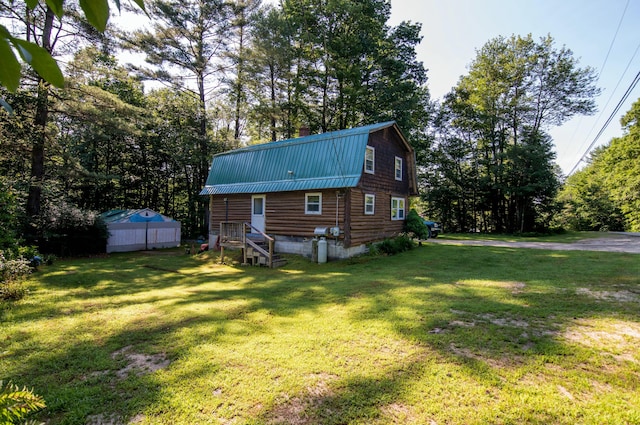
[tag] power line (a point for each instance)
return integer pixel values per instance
(604, 63)
(608, 100)
(624, 12)
(606, 124)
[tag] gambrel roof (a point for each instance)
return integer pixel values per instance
(320, 161)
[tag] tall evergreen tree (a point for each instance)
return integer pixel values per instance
(188, 50)
(244, 13)
(270, 67)
(450, 171)
(102, 116)
(338, 64)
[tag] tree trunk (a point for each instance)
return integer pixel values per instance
(40, 124)
(240, 80)
(272, 115)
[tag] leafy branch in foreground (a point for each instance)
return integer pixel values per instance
(34, 55)
(16, 404)
(96, 12)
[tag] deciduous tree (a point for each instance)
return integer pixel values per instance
(605, 195)
(515, 91)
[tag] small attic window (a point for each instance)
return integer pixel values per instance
(370, 160)
(398, 168)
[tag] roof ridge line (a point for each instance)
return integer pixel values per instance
(311, 138)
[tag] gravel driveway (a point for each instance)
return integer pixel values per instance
(613, 242)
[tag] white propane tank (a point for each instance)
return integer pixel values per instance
(322, 250)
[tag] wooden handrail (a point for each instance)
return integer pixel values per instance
(255, 246)
(237, 232)
(267, 237)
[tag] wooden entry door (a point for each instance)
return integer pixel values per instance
(257, 212)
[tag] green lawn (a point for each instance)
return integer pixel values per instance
(437, 335)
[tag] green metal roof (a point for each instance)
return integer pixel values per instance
(320, 161)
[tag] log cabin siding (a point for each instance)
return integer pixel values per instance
(366, 228)
(285, 212)
(239, 209)
(387, 148)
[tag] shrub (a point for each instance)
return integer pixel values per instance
(414, 225)
(396, 245)
(67, 230)
(385, 247)
(403, 243)
(17, 404)
(8, 217)
(12, 272)
(28, 252)
(13, 290)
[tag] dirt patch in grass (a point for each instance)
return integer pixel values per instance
(621, 296)
(139, 364)
(295, 411)
(517, 287)
(461, 323)
(112, 420)
(619, 339)
(565, 392)
(486, 318)
(514, 287)
(399, 413)
(504, 321)
(503, 362)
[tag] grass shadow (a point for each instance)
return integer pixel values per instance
(380, 336)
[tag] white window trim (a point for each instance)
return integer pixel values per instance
(398, 201)
(373, 204)
(373, 162)
(398, 161)
(306, 203)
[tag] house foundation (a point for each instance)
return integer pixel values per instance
(304, 246)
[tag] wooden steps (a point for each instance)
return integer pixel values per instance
(257, 258)
(257, 247)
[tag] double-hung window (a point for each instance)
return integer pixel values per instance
(370, 160)
(369, 204)
(398, 168)
(397, 208)
(313, 203)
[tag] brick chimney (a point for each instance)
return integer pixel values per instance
(303, 131)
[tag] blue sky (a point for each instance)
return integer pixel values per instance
(454, 30)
